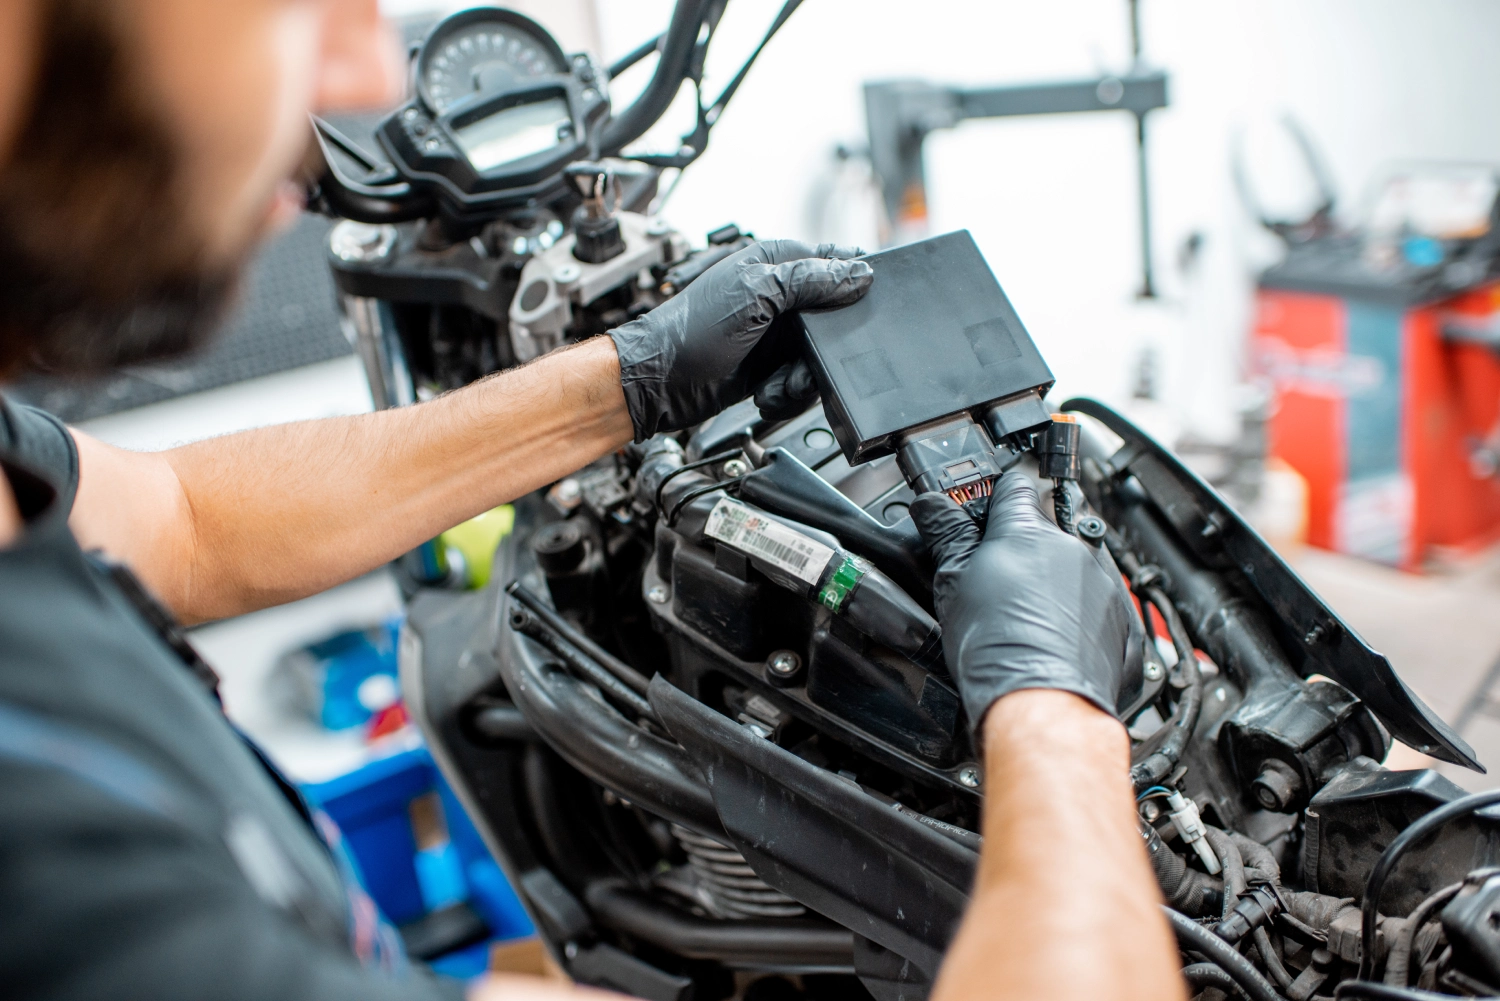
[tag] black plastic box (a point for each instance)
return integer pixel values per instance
(935, 337)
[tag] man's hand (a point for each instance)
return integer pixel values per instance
(1026, 605)
(1065, 906)
(707, 348)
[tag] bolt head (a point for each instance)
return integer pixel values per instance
(1153, 672)
(657, 595)
(736, 467)
(1091, 528)
(1276, 786)
(969, 777)
(1150, 811)
(784, 664)
(567, 274)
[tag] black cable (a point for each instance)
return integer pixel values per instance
(693, 495)
(1398, 958)
(1422, 827)
(1372, 991)
(688, 467)
(1201, 975)
(1161, 761)
(635, 55)
(527, 624)
(1062, 505)
(1194, 937)
(627, 675)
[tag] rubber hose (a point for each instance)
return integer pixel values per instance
(1201, 975)
(1365, 989)
(1258, 857)
(1262, 940)
(1194, 893)
(1398, 962)
(1235, 884)
(1196, 938)
(1414, 832)
(1234, 867)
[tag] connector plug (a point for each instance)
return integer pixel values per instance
(953, 457)
(1184, 814)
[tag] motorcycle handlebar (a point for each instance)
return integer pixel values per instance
(676, 52)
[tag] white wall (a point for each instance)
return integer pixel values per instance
(1051, 201)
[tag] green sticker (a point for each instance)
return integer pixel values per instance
(843, 582)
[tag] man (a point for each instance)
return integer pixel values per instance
(145, 148)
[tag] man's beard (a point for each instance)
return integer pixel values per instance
(99, 266)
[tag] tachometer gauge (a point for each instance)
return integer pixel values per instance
(483, 52)
(499, 112)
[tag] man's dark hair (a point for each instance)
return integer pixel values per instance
(99, 265)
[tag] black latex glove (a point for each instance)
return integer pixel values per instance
(788, 392)
(1027, 605)
(706, 348)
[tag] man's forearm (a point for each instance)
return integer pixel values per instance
(1065, 905)
(281, 512)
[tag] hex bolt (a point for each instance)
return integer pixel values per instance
(969, 777)
(784, 665)
(1277, 786)
(1152, 671)
(656, 594)
(735, 468)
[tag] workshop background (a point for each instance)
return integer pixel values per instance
(1053, 203)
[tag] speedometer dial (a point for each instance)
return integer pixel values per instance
(483, 52)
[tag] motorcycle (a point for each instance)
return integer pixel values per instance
(706, 779)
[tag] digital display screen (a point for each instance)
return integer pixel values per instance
(513, 133)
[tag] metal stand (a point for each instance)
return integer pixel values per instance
(900, 113)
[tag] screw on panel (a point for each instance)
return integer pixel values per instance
(735, 468)
(969, 777)
(657, 594)
(1091, 529)
(783, 666)
(1152, 671)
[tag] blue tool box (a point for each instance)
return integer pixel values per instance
(435, 881)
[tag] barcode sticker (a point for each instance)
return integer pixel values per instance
(751, 532)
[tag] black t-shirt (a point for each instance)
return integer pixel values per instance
(144, 851)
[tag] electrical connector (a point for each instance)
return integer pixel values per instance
(1057, 451)
(952, 457)
(1184, 814)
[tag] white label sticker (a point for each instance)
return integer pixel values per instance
(752, 532)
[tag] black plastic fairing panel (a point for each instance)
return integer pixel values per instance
(1314, 638)
(822, 840)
